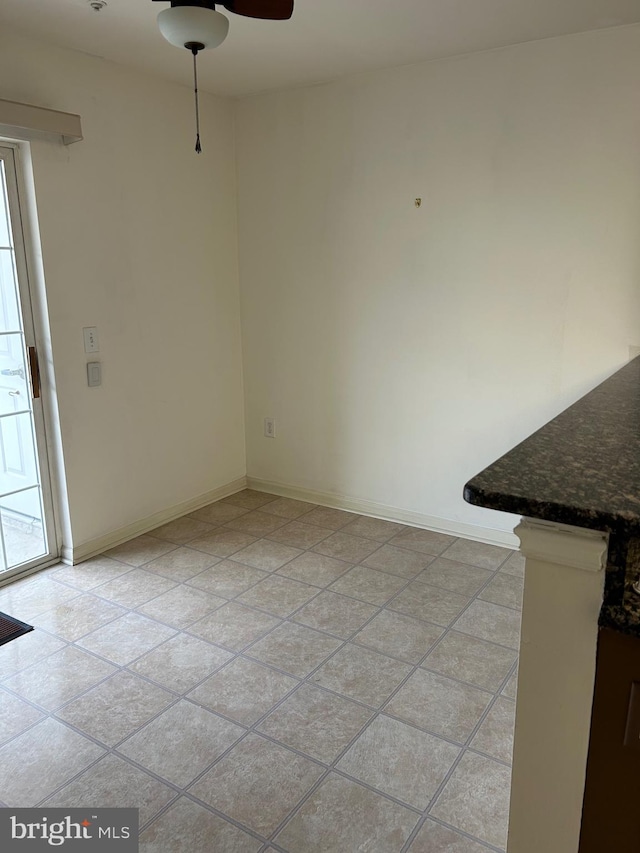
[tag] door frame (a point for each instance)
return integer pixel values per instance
(16, 156)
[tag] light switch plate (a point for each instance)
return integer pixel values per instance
(91, 343)
(94, 374)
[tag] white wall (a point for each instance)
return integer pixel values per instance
(139, 239)
(401, 349)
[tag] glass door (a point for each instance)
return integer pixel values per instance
(27, 537)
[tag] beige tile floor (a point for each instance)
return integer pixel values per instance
(267, 675)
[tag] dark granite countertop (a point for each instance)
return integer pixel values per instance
(583, 469)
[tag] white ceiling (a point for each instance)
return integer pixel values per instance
(324, 39)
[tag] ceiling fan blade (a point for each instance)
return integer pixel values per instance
(270, 10)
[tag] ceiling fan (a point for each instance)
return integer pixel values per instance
(197, 25)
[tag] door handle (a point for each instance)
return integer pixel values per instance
(34, 369)
(14, 393)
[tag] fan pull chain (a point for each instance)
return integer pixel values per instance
(195, 89)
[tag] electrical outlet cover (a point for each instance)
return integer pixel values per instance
(91, 343)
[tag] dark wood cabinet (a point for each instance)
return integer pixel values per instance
(611, 809)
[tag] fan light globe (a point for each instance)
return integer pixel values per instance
(183, 24)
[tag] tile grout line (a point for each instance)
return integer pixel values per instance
(274, 708)
(222, 666)
(474, 731)
(377, 714)
(113, 750)
(179, 792)
(240, 654)
(124, 669)
(463, 752)
(178, 696)
(275, 571)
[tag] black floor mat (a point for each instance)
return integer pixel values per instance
(11, 628)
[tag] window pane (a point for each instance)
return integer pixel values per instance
(9, 311)
(18, 465)
(5, 230)
(14, 389)
(22, 527)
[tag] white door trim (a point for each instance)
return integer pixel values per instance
(35, 326)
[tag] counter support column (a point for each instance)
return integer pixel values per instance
(563, 590)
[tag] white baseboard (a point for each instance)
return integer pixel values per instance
(389, 513)
(93, 547)
(97, 546)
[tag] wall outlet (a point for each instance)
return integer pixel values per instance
(91, 343)
(270, 427)
(633, 352)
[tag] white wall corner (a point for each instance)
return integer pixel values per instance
(93, 547)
